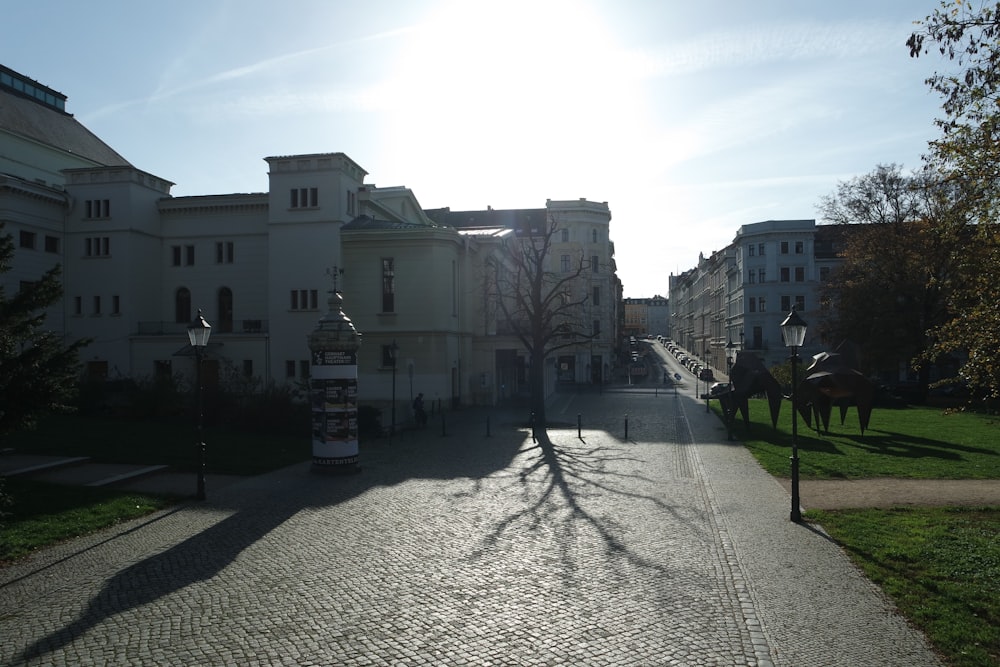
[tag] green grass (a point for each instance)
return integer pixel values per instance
(44, 514)
(941, 566)
(915, 442)
(169, 442)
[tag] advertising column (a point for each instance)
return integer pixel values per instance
(333, 388)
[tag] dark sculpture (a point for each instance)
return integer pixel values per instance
(748, 378)
(833, 380)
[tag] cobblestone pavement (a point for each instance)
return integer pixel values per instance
(668, 547)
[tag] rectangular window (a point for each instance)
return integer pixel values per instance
(595, 264)
(97, 305)
(800, 247)
(97, 208)
(294, 305)
(800, 303)
(98, 246)
(751, 278)
(800, 274)
(750, 250)
(596, 328)
(27, 240)
(784, 247)
(564, 263)
(224, 252)
(597, 295)
(752, 305)
(785, 274)
(52, 244)
(565, 236)
(388, 285)
(824, 273)
(304, 198)
(387, 356)
(761, 305)
(786, 304)
(304, 369)
(189, 255)
(116, 305)
(760, 249)
(175, 255)
(761, 275)
(289, 368)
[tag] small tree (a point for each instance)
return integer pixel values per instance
(38, 373)
(543, 307)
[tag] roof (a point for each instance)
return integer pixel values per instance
(40, 122)
(365, 222)
(517, 218)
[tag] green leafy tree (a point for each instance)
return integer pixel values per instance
(899, 250)
(38, 372)
(541, 306)
(967, 154)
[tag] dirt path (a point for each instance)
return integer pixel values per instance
(886, 492)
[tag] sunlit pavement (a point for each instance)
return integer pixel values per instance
(466, 543)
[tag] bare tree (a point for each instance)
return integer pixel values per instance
(543, 304)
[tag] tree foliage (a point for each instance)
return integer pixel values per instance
(541, 306)
(968, 155)
(38, 373)
(899, 249)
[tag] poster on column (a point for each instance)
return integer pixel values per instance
(334, 399)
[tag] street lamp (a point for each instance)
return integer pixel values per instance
(793, 331)
(729, 411)
(393, 353)
(198, 333)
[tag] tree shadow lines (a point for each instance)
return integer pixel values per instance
(559, 480)
(557, 485)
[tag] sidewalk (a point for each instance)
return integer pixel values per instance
(670, 547)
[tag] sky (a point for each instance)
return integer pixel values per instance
(689, 119)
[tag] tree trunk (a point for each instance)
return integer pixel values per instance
(536, 383)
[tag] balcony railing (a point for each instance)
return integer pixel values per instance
(237, 327)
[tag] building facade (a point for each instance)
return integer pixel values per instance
(138, 265)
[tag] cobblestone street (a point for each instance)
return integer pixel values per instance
(670, 547)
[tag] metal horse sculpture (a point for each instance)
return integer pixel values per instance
(748, 378)
(832, 380)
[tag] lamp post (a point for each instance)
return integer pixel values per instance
(708, 400)
(393, 352)
(729, 409)
(793, 331)
(198, 333)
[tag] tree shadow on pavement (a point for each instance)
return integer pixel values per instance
(561, 479)
(264, 503)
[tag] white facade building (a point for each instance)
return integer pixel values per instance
(138, 264)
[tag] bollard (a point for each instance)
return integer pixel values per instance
(579, 426)
(626, 426)
(487, 426)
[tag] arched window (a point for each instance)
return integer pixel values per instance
(182, 305)
(225, 310)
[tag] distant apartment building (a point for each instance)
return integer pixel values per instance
(647, 316)
(741, 294)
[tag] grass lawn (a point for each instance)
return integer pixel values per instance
(940, 566)
(43, 514)
(914, 442)
(169, 442)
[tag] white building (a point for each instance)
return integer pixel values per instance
(138, 264)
